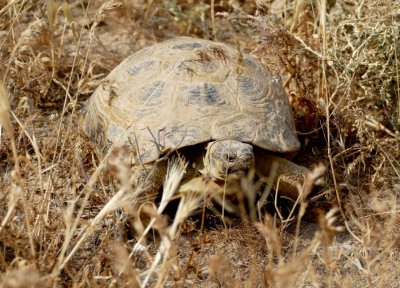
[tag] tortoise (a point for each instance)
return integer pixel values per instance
(216, 104)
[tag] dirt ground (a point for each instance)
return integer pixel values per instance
(69, 219)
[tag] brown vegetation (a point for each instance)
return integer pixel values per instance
(66, 216)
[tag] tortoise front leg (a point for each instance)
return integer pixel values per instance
(289, 174)
(149, 178)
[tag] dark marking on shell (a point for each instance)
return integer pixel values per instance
(187, 46)
(151, 93)
(140, 67)
(211, 94)
(205, 94)
(194, 94)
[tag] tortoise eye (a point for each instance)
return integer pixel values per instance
(230, 157)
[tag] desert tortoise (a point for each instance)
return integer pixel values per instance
(188, 92)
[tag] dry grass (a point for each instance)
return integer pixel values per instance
(70, 218)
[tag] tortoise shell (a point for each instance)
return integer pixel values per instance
(187, 91)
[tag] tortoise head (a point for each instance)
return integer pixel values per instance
(227, 157)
